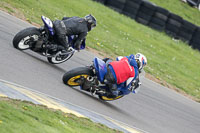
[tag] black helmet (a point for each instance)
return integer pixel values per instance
(91, 21)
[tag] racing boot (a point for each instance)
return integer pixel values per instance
(51, 49)
(112, 91)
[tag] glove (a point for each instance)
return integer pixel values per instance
(136, 89)
(135, 84)
(77, 47)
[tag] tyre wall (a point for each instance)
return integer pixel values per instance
(158, 18)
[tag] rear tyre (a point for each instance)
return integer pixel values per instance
(25, 38)
(73, 77)
(109, 99)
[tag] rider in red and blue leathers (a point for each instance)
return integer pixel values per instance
(124, 72)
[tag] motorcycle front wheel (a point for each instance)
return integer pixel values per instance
(60, 57)
(57, 59)
(75, 76)
(25, 38)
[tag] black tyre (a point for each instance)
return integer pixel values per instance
(72, 77)
(184, 39)
(108, 98)
(184, 36)
(147, 11)
(173, 28)
(119, 4)
(158, 21)
(162, 11)
(131, 4)
(57, 59)
(116, 9)
(135, 1)
(160, 16)
(156, 27)
(195, 40)
(142, 21)
(149, 5)
(131, 15)
(197, 33)
(174, 22)
(23, 38)
(131, 8)
(171, 33)
(101, 1)
(187, 29)
(175, 17)
(189, 26)
(144, 16)
(195, 45)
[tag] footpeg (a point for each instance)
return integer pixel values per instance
(92, 91)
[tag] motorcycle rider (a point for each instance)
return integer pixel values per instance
(73, 26)
(124, 72)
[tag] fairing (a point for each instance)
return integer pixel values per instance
(100, 67)
(101, 70)
(48, 23)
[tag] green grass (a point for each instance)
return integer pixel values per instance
(25, 117)
(168, 60)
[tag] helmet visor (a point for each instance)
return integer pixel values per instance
(93, 26)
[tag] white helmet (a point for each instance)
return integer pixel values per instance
(141, 61)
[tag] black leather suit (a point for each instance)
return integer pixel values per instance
(71, 26)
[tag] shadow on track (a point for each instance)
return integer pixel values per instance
(105, 103)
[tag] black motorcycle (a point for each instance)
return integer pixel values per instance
(43, 41)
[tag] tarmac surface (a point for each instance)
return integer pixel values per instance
(155, 109)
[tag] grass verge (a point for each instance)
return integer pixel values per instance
(170, 62)
(22, 117)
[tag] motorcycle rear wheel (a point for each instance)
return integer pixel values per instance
(73, 77)
(104, 98)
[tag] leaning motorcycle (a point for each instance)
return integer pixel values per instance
(42, 40)
(91, 79)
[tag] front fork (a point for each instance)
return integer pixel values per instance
(43, 43)
(38, 45)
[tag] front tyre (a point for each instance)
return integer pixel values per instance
(57, 59)
(25, 38)
(75, 76)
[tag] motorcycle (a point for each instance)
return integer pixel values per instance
(91, 79)
(42, 40)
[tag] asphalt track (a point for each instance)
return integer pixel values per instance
(155, 109)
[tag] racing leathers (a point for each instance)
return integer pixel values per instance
(71, 26)
(122, 73)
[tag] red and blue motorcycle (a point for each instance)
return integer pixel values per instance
(91, 79)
